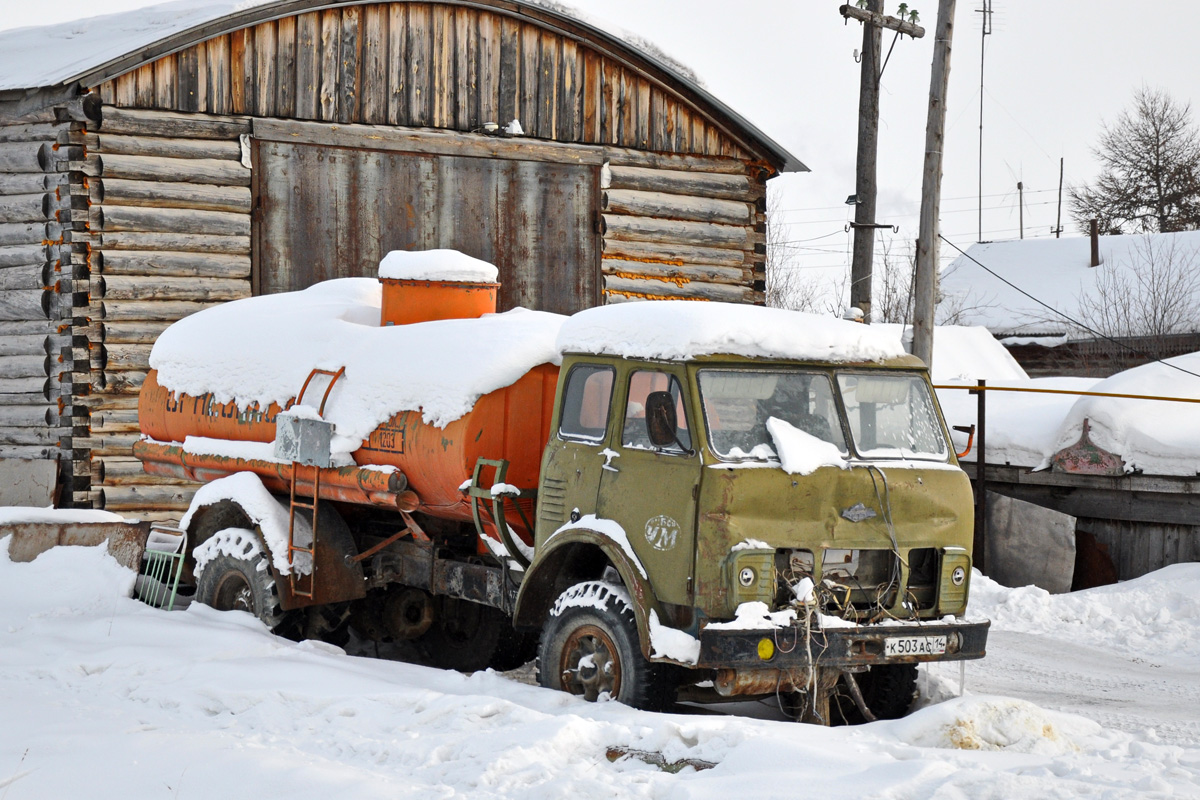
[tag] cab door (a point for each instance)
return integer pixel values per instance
(651, 491)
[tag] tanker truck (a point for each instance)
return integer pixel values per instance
(660, 501)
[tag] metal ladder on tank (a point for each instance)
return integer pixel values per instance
(295, 580)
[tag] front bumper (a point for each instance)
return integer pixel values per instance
(841, 648)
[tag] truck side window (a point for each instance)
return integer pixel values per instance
(641, 384)
(585, 403)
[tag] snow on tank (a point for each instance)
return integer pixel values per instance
(436, 265)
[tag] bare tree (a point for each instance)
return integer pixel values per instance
(893, 300)
(1149, 170)
(788, 285)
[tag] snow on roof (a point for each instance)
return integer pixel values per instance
(1056, 271)
(682, 330)
(436, 265)
(964, 353)
(261, 350)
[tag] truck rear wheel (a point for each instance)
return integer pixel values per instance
(887, 689)
(463, 636)
(590, 648)
(229, 583)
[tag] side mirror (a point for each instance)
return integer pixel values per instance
(661, 421)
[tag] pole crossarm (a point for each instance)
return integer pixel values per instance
(883, 21)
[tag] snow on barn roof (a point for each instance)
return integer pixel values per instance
(92, 50)
(1056, 271)
(682, 330)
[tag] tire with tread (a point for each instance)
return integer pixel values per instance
(230, 583)
(464, 635)
(887, 689)
(590, 647)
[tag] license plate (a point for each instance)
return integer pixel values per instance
(914, 646)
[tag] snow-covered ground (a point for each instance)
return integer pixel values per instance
(107, 698)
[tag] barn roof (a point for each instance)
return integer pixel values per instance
(54, 60)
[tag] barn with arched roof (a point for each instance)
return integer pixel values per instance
(157, 162)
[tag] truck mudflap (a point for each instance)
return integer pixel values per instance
(789, 648)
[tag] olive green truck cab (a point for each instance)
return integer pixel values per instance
(731, 527)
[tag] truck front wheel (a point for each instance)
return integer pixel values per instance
(228, 583)
(590, 647)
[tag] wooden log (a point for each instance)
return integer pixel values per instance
(25, 208)
(647, 229)
(122, 287)
(106, 427)
(117, 444)
(696, 184)
(158, 194)
(676, 206)
(22, 399)
(136, 498)
(26, 327)
(125, 356)
(25, 304)
(107, 401)
(185, 170)
(172, 264)
(30, 132)
(682, 273)
(34, 451)
(164, 148)
(130, 332)
(694, 290)
(169, 220)
(36, 366)
(34, 416)
(191, 243)
(29, 386)
(113, 416)
(24, 156)
(30, 234)
(29, 344)
(121, 311)
(673, 253)
(137, 122)
(28, 182)
(119, 382)
(30, 276)
(33, 435)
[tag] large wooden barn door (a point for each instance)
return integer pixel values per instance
(330, 212)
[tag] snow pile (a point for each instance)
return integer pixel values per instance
(261, 350)
(801, 453)
(672, 643)
(436, 265)
(267, 513)
(1016, 726)
(683, 330)
(755, 616)
(1155, 615)
(1153, 436)
(17, 515)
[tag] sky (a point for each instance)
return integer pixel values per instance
(1052, 75)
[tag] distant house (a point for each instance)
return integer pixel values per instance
(160, 161)
(1144, 293)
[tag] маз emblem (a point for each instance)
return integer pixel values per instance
(859, 512)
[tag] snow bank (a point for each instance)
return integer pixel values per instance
(261, 350)
(981, 723)
(1155, 616)
(1153, 436)
(16, 515)
(436, 265)
(683, 330)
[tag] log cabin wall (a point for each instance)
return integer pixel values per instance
(39, 268)
(170, 228)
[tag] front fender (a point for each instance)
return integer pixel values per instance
(577, 555)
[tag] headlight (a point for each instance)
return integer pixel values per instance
(958, 576)
(747, 576)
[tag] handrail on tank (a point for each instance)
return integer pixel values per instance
(329, 388)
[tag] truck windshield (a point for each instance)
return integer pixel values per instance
(892, 416)
(738, 403)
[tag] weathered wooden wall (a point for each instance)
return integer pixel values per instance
(435, 65)
(1140, 547)
(38, 266)
(170, 235)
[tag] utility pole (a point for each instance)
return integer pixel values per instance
(1021, 206)
(987, 29)
(864, 223)
(1058, 224)
(925, 281)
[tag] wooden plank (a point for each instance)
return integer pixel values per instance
(550, 55)
(285, 67)
(330, 61)
(241, 71)
(508, 91)
(194, 243)
(128, 287)
(641, 132)
(696, 184)
(202, 96)
(219, 75)
(188, 170)
(187, 77)
(611, 110)
(108, 93)
(126, 310)
(127, 89)
(465, 89)
(25, 304)
(527, 105)
(116, 191)
(673, 253)
(441, 62)
(167, 263)
(348, 103)
(676, 206)
(682, 273)
(25, 208)
(136, 122)
(397, 64)
(375, 64)
(488, 68)
(591, 91)
(170, 220)
(308, 65)
(657, 123)
(166, 148)
(655, 289)
(165, 81)
(264, 69)
(648, 229)
(132, 332)
(143, 78)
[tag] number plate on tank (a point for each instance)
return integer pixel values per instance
(914, 646)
